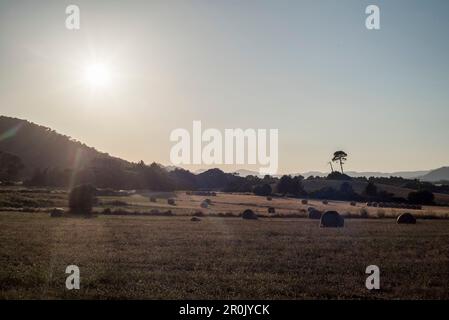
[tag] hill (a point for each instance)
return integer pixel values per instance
(441, 174)
(40, 147)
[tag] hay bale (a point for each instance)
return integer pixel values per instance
(314, 214)
(406, 218)
(375, 204)
(353, 203)
(249, 214)
(369, 204)
(198, 214)
(56, 212)
(171, 202)
(325, 202)
(332, 219)
(195, 219)
(304, 201)
(271, 210)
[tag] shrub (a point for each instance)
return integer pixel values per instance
(171, 202)
(82, 199)
(304, 201)
(262, 190)
(421, 197)
(153, 199)
(271, 210)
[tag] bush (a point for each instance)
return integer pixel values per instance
(262, 190)
(82, 199)
(421, 197)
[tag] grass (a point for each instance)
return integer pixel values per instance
(220, 258)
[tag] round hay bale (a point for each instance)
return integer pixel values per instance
(249, 214)
(271, 210)
(332, 219)
(369, 204)
(56, 212)
(171, 202)
(353, 203)
(406, 218)
(314, 214)
(198, 214)
(304, 201)
(375, 204)
(325, 202)
(269, 198)
(195, 219)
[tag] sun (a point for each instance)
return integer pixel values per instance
(97, 75)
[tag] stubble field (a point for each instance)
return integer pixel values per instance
(150, 257)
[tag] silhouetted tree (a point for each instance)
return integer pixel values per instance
(371, 189)
(10, 166)
(341, 157)
(290, 185)
(421, 197)
(82, 199)
(262, 190)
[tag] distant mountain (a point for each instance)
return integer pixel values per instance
(441, 174)
(356, 174)
(40, 147)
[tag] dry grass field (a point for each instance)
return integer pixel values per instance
(281, 256)
(235, 203)
(220, 258)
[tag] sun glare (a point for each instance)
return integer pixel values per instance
(97, 75)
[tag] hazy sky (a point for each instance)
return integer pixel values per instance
(308, 68)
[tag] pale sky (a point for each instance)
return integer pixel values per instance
(308, 68)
